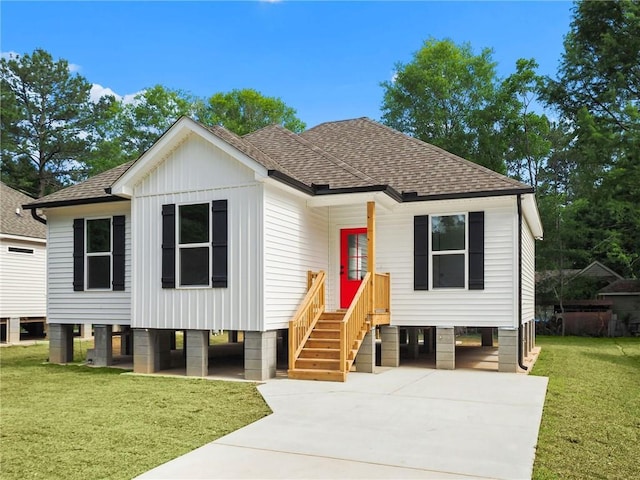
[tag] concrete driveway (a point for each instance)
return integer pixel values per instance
(398, 423)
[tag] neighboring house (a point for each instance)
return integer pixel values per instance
(625, 296)
(584, 281)
(211, 231)
(23, 253)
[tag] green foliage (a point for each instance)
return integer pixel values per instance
(598, 95)
(77, 422)
(591, 414)
(452, 98)
(245, 111)
(45, 114)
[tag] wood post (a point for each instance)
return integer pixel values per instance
(371, 251)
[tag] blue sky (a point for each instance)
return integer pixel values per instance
(325, 59)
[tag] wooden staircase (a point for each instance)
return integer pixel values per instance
(320, 355)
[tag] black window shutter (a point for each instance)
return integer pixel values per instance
(78, 254)
(118, 252)
(421, 252)
(219, 244)
(476, 250)
(169, 246)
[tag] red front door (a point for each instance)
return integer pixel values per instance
(353, 262)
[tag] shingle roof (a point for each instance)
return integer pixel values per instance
(89, 191)
(345, 154)
(623, 286)
(405, 163)
(14, 222)
(305, 161)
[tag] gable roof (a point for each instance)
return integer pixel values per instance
(628, 285)
(334, 157)
(14, 221)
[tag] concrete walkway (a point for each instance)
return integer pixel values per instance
(398, 423)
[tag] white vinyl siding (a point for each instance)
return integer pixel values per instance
(23, 287)
(493, 306)
(89, 306)
(528, 274)
(198, 172)
(295, 241)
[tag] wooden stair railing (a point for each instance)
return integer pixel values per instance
(323, 345)
(355, 325)
(305, 319)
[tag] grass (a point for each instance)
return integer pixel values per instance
(80, 422)
(591, 422)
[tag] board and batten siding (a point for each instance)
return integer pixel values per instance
(23, 278)
(198, 172)
(493, 306)
(295, 241)
(89, 306)
(528, 274)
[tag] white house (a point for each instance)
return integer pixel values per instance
(276, 231)
(23, 253)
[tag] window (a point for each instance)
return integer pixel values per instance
(194, 246)
(448, 251)
(98, 253)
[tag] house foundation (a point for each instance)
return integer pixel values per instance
(414, 347)
(366, 357)
(486, 334)
(103, 350)
(260, 353)
(152, 350)
(445, 348)
(197, 352)
(13, 330)
(86, 331)
(508, 350)
(390, 346)
(60, 343)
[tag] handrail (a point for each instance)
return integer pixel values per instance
(307, 315)
(354, 322)
(382, 296)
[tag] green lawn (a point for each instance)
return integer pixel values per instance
(78, 422)
(591, 421)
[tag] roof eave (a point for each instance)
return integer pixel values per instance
(74, 202)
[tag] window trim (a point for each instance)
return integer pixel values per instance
(86, 254)
(464, 252)
(180, 246)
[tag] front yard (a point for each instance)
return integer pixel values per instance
(77, 422)
(591, 421)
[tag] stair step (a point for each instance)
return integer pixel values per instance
(318, 364)
(329, 324)
(323, 343)
(332, 316)
(325, 333)
(320, 353)
(322, 375)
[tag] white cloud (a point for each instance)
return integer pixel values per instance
(98, 91)
(9, 55)
(74, 68)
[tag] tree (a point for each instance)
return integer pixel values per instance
(598, 95)
(124, 131)
(45, 113)
(247, 110)
(447, 96)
